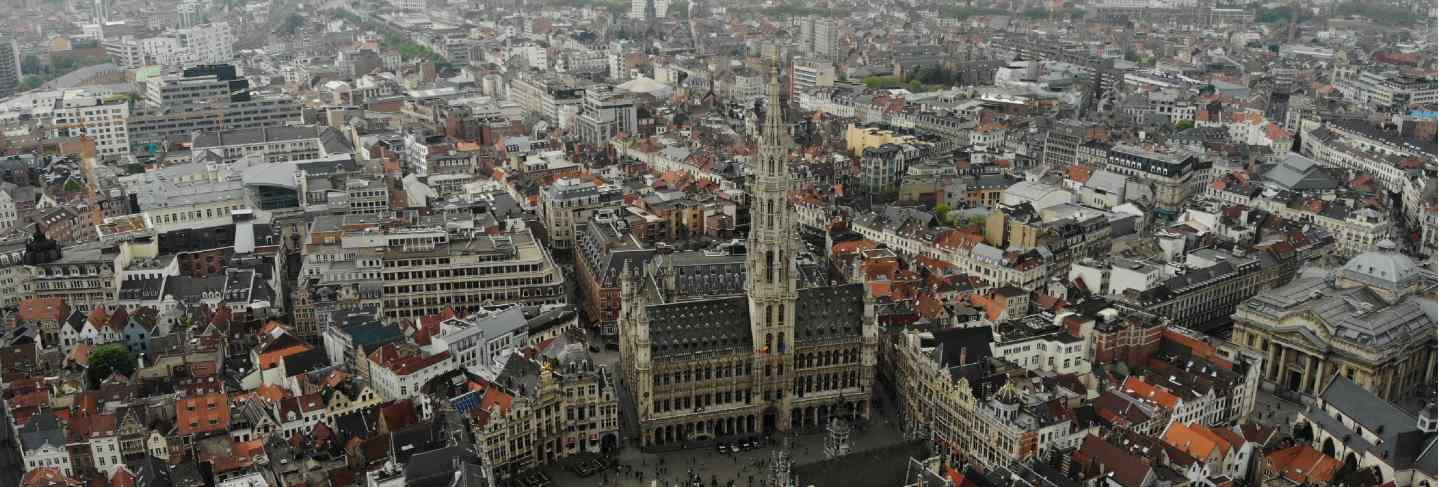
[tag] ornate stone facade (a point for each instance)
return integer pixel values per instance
(705, 358)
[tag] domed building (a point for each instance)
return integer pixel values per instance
(1385, 271)
(1367, 321)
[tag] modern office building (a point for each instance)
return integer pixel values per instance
(203, 99)
(9, 67)
(606, 113)
(273, 144)
(569, 202)
(103, 120)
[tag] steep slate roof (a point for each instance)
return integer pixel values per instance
(1401, 441)
(1299, 173)
(43, 428)
(1123, 468)
(699, 326)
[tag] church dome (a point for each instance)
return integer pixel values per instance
(1383, 267)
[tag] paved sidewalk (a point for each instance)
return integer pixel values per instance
(672, 468)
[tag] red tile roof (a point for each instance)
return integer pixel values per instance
(202, 414)
(43, 309)
(1137, 387)
(119, 319)
(1302, 464)
(47, 477)
(122, 478)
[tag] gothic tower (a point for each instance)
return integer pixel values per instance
(634, 324)
(770, 256)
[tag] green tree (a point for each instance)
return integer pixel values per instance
(1279, 15)
(108, 359)
(942, 212)
(1184, 124)
(292, 24)
(72, 186)
(31, 82)
(1036, 13)
(30, 64)
(881, 82)
(1379, 13)
(967, 12)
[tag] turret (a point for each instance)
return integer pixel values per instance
(1427, 419)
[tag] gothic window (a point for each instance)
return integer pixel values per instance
(770, 266)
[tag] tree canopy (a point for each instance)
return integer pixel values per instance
(108, 359)
(1379, 13)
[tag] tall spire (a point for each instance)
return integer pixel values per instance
(770, 223)
(773, 136)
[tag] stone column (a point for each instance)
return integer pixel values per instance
(1305, 361)
(1430, 369)
(1280, 366)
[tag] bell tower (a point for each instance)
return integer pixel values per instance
(634, 331)
(770, 258)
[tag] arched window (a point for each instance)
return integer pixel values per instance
(768, 339)
(769, 315)
(781, 342)
(782, 315)
(770, 266)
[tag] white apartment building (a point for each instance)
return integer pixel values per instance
(8, 215)
(42, 444)
(572, 201)
(202, 44)
(1348, 149)
(101, 119)
(401, 377)
(426, 269)
(208, 44)
(1384, 90)
(1036, 344)
(105, 448)
(187, 196)
(485, 339)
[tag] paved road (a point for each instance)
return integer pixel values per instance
(723, 468)
(1275, 411)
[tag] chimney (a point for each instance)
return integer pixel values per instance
(244, 231)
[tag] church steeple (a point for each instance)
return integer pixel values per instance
(771, 232)
(770, 258)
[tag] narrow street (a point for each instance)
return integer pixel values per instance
(10, 464)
